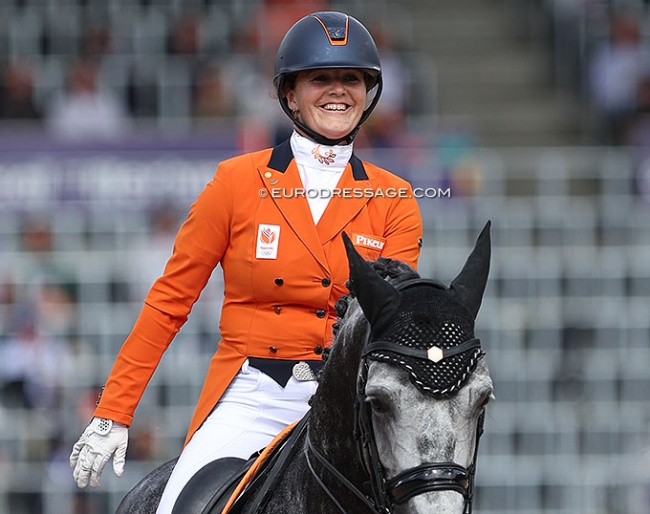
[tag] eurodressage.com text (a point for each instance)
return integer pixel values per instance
(354, 192)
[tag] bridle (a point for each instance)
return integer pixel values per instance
(385, 492)
(428, 477)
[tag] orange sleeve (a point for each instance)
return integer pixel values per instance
(198, 248)
(403, 231)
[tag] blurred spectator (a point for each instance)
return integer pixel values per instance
(637, 131)
(212, 98)
(189, 77)
(185, 36)
(387, 125)
(37, 265)
(142, 443)
(154, 251)
(38, 278)
(142, 92)
(274, 17)
(96, 42)
(17, 93)
(86, 110)
(32, 363)
(184, 41)
(637, 136)
(38, 296)
(261, 122)
(615, 69)
(56, 309)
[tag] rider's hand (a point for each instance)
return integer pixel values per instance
(101, 439)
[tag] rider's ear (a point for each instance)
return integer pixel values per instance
(377, 298)
(468, 287)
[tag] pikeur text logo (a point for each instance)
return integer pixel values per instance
(368, 242)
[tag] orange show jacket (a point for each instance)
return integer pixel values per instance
(282, 273)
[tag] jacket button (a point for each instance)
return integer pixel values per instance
(326, 282)
(320, 313)
(278, 281)
(273, 349)
(318, 350)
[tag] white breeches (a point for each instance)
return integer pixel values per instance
(252, 411)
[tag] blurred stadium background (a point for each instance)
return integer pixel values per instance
(531, 113)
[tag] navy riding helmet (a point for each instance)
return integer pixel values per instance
(328, 39)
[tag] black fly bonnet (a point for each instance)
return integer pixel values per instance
(433, 340)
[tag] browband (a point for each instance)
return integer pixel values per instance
(421, 353)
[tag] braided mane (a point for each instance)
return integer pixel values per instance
(388, 269)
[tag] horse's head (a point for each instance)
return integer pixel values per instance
(423, 384)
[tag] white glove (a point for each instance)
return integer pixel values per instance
(101, 439)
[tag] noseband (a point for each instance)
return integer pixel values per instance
(428, 477)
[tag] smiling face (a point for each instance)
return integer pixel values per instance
(328, 101)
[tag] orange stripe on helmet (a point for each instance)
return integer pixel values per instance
(336, 42)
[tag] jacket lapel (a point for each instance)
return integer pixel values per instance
(282, 181)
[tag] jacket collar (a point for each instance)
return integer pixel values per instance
(282, 156)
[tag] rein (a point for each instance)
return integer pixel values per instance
(427, 477)
(310, 450)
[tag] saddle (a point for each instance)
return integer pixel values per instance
(226, 485)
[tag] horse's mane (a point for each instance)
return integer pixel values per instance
(388, 269)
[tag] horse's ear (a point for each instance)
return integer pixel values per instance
(468, 287)
(377, 298)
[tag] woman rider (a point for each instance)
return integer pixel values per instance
(273, 219)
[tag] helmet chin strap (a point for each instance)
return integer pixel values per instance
(320, 139)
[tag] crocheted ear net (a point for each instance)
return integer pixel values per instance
(430, 317)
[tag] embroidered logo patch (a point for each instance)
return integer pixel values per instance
(373, 242)
(268, 237)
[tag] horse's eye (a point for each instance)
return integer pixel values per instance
(484, 400)
(378, 404)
